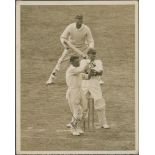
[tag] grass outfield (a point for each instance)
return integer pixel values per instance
(44, 110)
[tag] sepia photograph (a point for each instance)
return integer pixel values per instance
(77, 77)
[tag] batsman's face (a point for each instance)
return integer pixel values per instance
(76, 63)
(92, 56)
(79, 22)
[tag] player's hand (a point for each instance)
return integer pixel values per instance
(64, 42)
(84, 56)
(93, 72)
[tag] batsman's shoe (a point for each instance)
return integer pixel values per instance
(75, 132)
(51, 80)
(105, 126)
(68, 125)
(80, 130)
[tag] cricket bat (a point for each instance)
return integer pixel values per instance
(71, 46)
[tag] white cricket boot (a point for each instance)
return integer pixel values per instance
(51, 80)
(68, 125)
(75, 133)
(74, 126)
(80, 130)
(105, 126)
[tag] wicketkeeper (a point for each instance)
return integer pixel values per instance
(77, 34)
(92, 86)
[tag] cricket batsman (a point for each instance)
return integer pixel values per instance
(92, 86)
(79, 35)
(73, 95)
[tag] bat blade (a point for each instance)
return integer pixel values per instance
(71, 46)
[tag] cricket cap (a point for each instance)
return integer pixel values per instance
(79, 16)
(73, 57)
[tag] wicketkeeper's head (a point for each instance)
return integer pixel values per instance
(79, 16)
(91, 51)
(79, 20)
(75, 61)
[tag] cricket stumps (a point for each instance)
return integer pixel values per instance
(88, 123)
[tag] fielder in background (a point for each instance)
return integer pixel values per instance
(73, 95)
(92, 86)
(77, 34)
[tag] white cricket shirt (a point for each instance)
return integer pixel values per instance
(78, 37)
(73, 77)
(97, 64)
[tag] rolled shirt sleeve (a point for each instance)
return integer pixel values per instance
(65, 35)
(78, 70)
(89, 38)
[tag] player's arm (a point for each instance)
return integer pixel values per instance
(98, 69)
(64, 36)
(80, 69)
(89, 38)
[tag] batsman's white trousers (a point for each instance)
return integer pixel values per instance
(74, 99)
(93, 87)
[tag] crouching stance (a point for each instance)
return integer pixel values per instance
(92, 86)
(73, 95)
